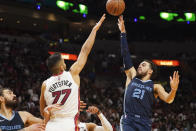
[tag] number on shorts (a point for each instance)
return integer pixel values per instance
(57, 95)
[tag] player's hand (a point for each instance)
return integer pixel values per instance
(97, 26)
(174, 82)
(50, 108)
(82, 105)
(47, 111)
(121, 24)
(35, 127)
(93, 110)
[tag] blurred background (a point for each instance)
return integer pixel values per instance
(158, 30)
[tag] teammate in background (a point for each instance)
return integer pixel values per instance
(63, 87)
(106, 126)
(140, 89)
(11, 120)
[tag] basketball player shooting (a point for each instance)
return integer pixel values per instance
(140, 89)
(63, 87)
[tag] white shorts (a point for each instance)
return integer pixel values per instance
(61, 124)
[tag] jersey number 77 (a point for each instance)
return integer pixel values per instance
(57, 94)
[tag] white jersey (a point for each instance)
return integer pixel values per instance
(62, 89)
(82, 126)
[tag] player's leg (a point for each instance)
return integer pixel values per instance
(143, 125)
(126, 125)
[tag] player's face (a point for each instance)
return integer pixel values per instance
(9, 98)
(143, 69)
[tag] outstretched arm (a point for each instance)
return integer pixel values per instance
(168, 97)
(106, 126)
(34, 127)
(127, 62)
(77, 67)
(29, 118)
(34, 123)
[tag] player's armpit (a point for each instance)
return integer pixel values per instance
(128, 80)
(131, 73)
(42, 100)
(163, 95)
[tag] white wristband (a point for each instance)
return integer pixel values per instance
(105, 123)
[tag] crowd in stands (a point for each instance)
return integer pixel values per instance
(23, 69)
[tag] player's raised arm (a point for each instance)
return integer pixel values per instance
(168, 97)
(77, 67)
(127, 62)
(106, 126)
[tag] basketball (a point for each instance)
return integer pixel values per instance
(115, 7)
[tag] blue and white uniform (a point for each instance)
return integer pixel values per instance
(138, 101)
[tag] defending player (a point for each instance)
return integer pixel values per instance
(63, 87)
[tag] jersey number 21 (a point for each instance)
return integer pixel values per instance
(138, 93)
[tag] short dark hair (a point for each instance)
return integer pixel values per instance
(52, 61)
(153, 67)
(2, 89)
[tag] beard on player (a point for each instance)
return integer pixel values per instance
(11, 103)
(141, 74)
